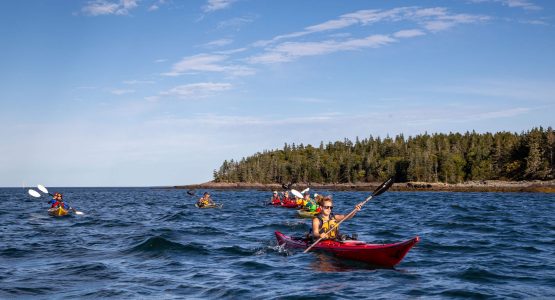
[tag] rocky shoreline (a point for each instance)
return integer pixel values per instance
(471, 186)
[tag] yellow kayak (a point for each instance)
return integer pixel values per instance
(58, 212)
(306, 214)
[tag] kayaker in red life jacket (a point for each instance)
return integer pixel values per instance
(326, 220)
(288, 200)
(275, 199)
(57, 200)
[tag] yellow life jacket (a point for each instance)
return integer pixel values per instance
(203, 201)
(326, 225)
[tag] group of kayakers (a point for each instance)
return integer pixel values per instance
(305, 203)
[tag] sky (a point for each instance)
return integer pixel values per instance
(161, 92)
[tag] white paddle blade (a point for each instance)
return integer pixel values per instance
(296, 193)
(42, 188)
(34, 193)
(305, 190)
(79, 213)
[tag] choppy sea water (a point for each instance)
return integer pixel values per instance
(142, 243)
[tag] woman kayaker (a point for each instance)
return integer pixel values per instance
(205, 200)
(327, 220)
(58, 201)
(276, 200)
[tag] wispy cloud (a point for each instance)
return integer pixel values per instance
(241, 120)
(155, 6)
(408, 33)
(134, 82)
(196, 90)
(218, 43)
(292, 50)
(433, 19)
(121, 91)
(524, 4)
(208, 63)
(104, 7)
(214, 5)
(235, 23)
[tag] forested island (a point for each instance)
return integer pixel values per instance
(423, 161)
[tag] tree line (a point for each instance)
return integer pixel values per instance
(439, 157)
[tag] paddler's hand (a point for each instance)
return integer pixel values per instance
(324, 236)
(358, 207)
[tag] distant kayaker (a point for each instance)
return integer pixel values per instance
(58, 201)
(288, 200)
(276, 200)
(309, 204)
(205, 200)
(326, 220)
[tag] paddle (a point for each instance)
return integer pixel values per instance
(296, 193)
(44, 190)
(378, 191)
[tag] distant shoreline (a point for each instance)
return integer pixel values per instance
(535, 186)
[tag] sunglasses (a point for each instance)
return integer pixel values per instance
(328, 207)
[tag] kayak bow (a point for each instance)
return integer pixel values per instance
(57, 212)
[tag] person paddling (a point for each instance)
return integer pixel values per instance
(309, 204)
(58, 201)
(205, 200)
(276, 200)
(288, 200)
(327, 220)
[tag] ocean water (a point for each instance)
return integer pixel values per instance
(142, 243)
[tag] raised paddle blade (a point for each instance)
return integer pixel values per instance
(305, 190)
(296, 193)
(383, 187)
(42, 188)
(34, 193)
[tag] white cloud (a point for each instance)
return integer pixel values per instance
(207, 63)
(214, 5)
(524, 4)
(433, 19)
(156, 5)
(104, 7)
(408, 33)
(133, 82)
(196, 90)
(235, 23)
(218, 43)
(292, 50)
(121, 91)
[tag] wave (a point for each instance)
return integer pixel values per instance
(158, 244)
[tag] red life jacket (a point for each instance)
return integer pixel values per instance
(276, 200)
(58, 203)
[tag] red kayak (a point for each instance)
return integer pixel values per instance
(385, 255)
(290, 204)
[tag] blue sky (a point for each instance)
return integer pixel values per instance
(152, 92)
